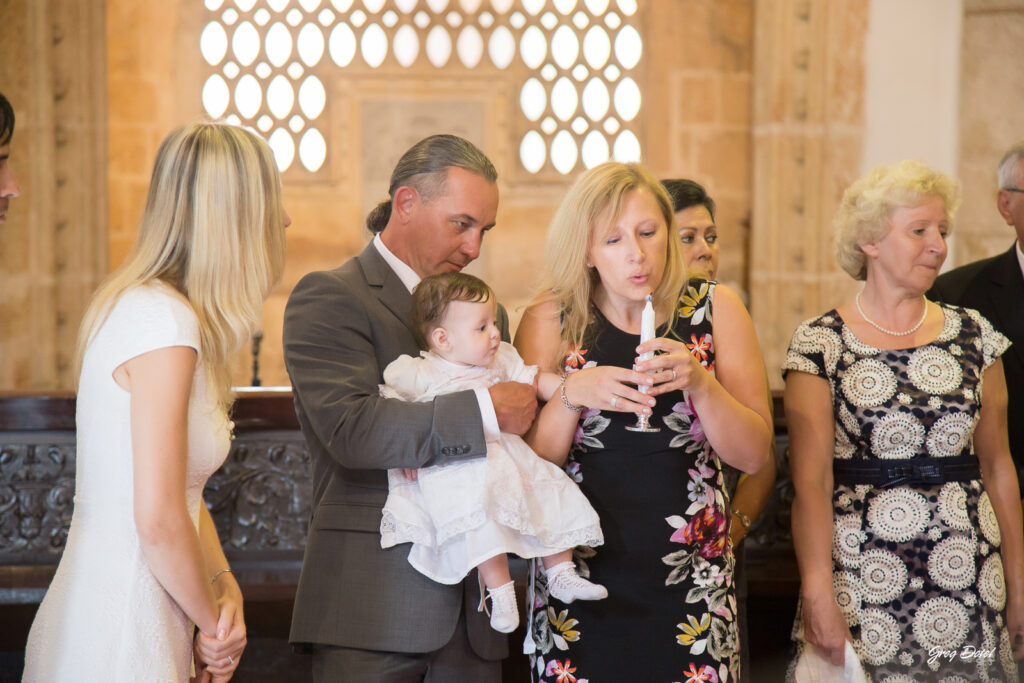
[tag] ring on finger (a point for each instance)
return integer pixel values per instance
(673, 374)
(615, 400)
(231, 659)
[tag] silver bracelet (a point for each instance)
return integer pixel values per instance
(565, 401)
(743, 519)
(219, 573)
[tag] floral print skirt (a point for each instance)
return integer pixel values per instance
(668, 566)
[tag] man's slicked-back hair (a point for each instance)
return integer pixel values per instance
(6, 120)
(425, 167)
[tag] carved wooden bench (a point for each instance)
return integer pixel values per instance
(259, 498)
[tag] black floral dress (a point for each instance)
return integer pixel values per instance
(916, 568)
(667, 560)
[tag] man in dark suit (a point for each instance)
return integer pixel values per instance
(367, 613)
(995, 287)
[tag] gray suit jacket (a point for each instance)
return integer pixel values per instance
(341, 329)
(995, 288)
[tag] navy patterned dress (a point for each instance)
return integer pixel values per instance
(916, 568)
(667, 560)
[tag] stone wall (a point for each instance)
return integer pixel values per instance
(762, 102)
(53, 244)
(695, 75)
(991, 119)
(696, 83)
(807, 132)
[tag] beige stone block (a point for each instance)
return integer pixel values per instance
(125, 36)
(734, 33)
(991, 119)
(129, 153)
(513, 252)
(698, 99)
(842, 54)
(735, 99)
(731, 268)
(127, 201)
(119, 247)
(992, 6)
(162, 27)
(725, 156)
(732, 218)
(131, 100)
(306, 254)
(694, 45)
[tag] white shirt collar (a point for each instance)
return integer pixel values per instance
(404, 272)
(1020, 259)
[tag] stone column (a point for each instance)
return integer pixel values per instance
(991, 119)
(807, 129)
(53, 254)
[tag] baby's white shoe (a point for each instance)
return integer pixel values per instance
(566, 585)
(504, 611)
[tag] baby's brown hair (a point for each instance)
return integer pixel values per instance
(432, 296)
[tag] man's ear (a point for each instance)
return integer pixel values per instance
(1003, 204)
(405, 201)
(439, 339)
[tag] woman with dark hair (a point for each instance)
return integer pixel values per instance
(8, 183)
(749, 493)
(695, 220)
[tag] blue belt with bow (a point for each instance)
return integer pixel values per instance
(882, 473)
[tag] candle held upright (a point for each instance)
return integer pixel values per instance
(646, 334)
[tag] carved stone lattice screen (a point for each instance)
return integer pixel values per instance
(573, 64)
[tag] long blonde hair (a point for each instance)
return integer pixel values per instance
(213, 231)
(593, 202)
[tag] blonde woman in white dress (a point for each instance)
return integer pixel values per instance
(143, 565)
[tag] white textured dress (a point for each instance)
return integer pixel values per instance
(105, 617)
(511, 501)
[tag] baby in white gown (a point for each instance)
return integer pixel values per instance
(472, 512)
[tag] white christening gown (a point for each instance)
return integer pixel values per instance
(511, 501)
(105, 617)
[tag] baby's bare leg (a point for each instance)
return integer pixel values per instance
(495, 571)
(558, 558)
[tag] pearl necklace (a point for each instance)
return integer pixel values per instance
(878, 327)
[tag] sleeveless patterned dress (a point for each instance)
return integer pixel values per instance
(916, 568)
(667, 561)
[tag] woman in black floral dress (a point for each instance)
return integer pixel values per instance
(667, 561)
(906, 520)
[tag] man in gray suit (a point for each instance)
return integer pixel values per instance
(995, 287)
(367, 613)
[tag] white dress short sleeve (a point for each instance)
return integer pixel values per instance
(105, 617)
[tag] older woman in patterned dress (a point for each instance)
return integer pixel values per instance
(906, 522)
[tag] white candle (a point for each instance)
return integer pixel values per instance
(647, 326)
(647, 332)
